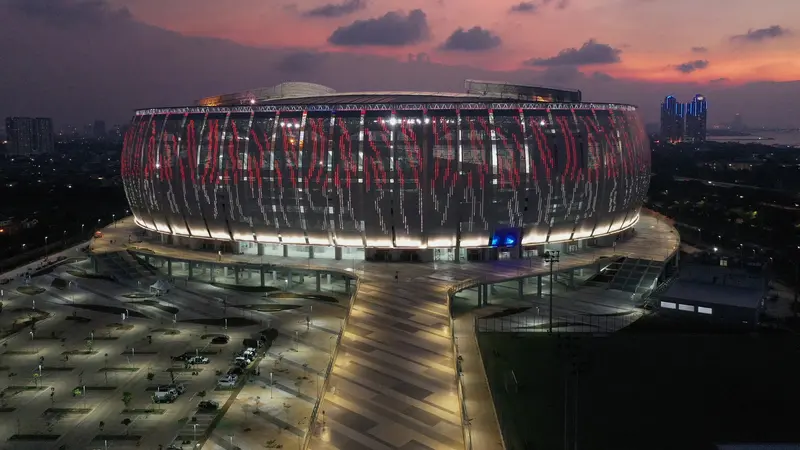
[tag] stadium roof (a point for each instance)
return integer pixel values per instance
(383, 97)
(300, 93)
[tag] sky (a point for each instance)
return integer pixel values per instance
(80, 60)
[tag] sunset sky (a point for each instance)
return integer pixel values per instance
(620, 50)
(653, 36)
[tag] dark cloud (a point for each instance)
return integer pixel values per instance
(332, 10)
(692, 66)
(301, 61)
(524, 7)
(591, 52)
(762, 34)
(393, 29)
(699, 50)
(559, 4)
(67, 12)
(476, 39)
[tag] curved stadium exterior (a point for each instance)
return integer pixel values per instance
(406, 172)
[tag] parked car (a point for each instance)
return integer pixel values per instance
(251, 355)
(220, 340)
(208, 405)
(227, 381)
(240, 364)
(198, 360)
(165, 394)
(242, 361)
(180, 388)
(183, 357)
(235, 371)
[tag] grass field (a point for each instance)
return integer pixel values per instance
(639, 389)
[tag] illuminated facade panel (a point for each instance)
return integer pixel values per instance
(401, 176)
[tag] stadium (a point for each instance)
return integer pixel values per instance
(301, 170)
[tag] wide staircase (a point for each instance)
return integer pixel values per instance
(122, 265)
(606, 274)
(638, 276)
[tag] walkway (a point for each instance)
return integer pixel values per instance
(394, 384)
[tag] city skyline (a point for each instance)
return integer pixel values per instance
(94, 52)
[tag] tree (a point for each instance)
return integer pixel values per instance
(150, 376)
(127, 397)
(127, 422)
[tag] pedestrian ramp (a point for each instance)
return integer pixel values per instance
(121, 265)
(639, 276)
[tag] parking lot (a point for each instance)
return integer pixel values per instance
(84, 376)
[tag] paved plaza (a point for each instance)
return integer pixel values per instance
(81, 340)
(394, 385)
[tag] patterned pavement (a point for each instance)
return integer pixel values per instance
(393, 385)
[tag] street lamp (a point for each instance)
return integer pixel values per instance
(45, 247)
(551, 256)
(114, 219)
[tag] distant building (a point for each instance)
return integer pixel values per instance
(99, 129)
(20, 135)
(696, 119)
(732, 297)
(738, 123)
(43, 135)
(672, 120)
(684, 122)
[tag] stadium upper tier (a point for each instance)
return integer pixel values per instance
(388, 169)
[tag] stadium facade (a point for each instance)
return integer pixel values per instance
(388, 175)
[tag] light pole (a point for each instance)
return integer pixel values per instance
(64, 236)
(270, 385)
(45, 247)
(551, 256)
(82, 225)
(114, 219)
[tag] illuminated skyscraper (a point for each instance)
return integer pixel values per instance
(696, 112)
(672, 119)
(20, 133)
(43, 135)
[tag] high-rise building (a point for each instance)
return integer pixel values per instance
(672, 119)
(43, 135)
(738, 123)
(99, 129)
(696, 119)
(28, 136)
(684, 121)
(19, 132)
